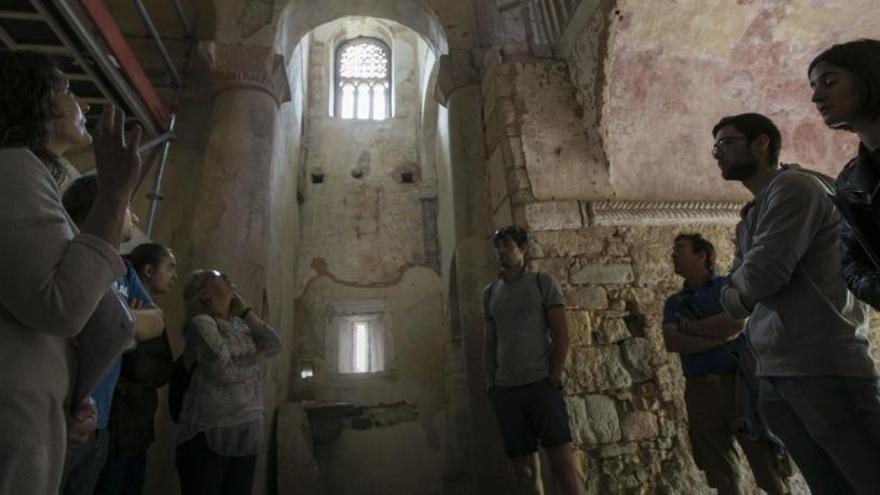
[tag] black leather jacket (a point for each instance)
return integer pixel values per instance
(858, 198)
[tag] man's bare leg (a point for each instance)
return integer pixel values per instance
(562, 465)
(527, 473)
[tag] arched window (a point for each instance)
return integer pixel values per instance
(363, 79)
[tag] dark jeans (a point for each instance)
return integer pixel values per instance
(123, 476)
(83, 465)
(831, 426)
(202, 472)
(711, 407)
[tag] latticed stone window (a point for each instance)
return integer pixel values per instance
(363, 79)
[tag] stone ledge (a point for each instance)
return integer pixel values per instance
(660, 213)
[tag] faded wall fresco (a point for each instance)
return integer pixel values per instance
(672, 69)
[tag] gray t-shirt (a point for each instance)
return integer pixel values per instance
(518, 309)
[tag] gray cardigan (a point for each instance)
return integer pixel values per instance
(60, 323)
(804, 321)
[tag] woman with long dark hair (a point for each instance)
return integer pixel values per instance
(846, 91)
(61, 325)
(144, 370)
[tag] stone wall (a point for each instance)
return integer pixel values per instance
(624, 391)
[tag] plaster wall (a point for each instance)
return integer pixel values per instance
(278, 296)
(625, 108)
(367, 228)
(655, 78)
(366, 235)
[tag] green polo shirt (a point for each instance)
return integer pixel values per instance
(518, 309)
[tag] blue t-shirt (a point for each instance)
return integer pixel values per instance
(129, 288)
(690, 304)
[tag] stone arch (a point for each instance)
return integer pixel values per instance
(300, 17)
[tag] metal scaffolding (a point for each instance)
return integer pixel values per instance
(102, 69)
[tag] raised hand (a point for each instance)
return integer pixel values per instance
(237, 305)
(117, 160)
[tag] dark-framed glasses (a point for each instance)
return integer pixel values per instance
(723, 144)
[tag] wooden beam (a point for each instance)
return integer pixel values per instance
(109, 30)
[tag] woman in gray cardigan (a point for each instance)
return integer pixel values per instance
(221, 423)
(61, 325)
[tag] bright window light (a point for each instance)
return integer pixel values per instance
(379, 102)
(363, 101)
(347, 101)
(363, 75)
(361, 347)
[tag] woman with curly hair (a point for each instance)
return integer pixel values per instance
(61, 325)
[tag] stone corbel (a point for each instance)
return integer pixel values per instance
(456, 70)
(246, 67)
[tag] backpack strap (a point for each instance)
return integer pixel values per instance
(488, 297)
(540, 287)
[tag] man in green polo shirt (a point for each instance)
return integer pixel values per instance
(524, 351)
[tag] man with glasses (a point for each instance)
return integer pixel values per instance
(818, 384)
(524, 352)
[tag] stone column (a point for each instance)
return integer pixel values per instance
(231, 208)
(459, 89)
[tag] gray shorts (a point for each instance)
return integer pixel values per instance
(529, 413)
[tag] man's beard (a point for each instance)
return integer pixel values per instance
(509, 262)
(739, 170)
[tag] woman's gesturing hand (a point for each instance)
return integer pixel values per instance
(117, 160)
(237, 305)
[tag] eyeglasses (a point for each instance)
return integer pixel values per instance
(724, 143)
(215, 274)
(205, 277)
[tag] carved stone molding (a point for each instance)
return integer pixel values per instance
(568, 215)
(658, 213)
(246, 67)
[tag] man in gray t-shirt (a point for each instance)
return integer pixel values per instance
(524, 351)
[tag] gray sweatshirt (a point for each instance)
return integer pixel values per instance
(804, 321)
